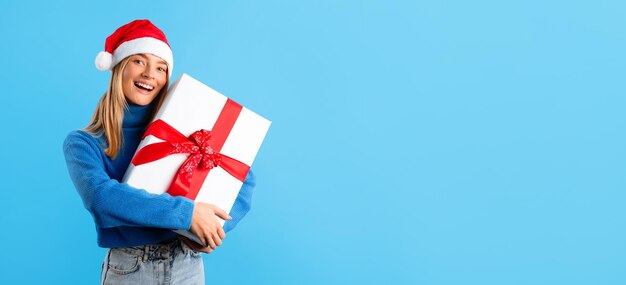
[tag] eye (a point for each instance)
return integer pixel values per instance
(161, 69)
(138, 61)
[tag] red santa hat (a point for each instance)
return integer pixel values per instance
(139, 36)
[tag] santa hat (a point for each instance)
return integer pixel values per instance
(139, 36)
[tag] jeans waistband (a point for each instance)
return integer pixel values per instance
(162, 250)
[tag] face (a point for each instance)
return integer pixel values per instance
(143, 78)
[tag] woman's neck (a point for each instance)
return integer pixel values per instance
(137, 115)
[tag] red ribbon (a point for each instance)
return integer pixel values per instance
(203, 147)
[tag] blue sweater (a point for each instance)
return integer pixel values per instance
(126, 216)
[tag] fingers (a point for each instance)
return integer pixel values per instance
(208, 229)
(221, 233)
(206, 237)
(193, 245)
(221, 213)
(198, 247)
(211, 243)
(211, 238)
(217, 239)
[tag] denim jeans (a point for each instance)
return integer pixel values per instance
(171, 262)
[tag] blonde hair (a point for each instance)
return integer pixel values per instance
(109, 115)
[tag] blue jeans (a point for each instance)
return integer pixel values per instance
(171, 262)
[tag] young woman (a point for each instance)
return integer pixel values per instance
(133, 224)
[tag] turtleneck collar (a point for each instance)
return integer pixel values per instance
(137, 115)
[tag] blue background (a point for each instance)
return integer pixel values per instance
(413, 142)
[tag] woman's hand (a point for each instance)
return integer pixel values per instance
(194, 245)
(205, 225)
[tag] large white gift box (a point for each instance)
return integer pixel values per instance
(200, 145)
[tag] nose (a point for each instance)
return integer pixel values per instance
(147, 74)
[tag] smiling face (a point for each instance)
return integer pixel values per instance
(143, 78)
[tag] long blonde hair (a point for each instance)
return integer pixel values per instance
(109, 115)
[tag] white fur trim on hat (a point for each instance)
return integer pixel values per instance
(144, 45)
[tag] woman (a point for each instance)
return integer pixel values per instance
(133, 224)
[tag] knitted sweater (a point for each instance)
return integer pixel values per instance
(126, 216)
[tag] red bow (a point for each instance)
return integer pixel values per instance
(202, 145)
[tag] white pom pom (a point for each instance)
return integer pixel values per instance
(103, 61)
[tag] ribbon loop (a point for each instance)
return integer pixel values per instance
(203, 147)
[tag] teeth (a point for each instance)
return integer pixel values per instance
(144, 85)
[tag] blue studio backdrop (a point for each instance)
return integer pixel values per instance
(413, 142)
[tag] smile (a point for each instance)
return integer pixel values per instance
(144, 86)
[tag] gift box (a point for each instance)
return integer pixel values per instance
(200, 145)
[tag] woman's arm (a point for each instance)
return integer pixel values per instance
(242, 203)
(114, 204)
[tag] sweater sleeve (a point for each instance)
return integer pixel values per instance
(114, 204)
(242, 203)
